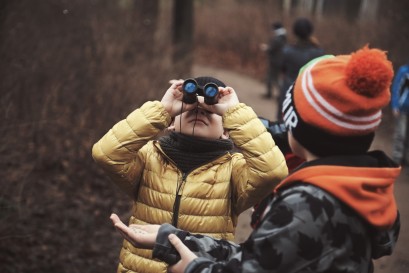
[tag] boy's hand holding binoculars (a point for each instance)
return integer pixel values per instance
(172, 100)
(186, 95)
(227, 99)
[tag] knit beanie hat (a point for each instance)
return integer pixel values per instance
(203, 80)
(334, 106)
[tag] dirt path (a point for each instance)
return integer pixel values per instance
(250, 91)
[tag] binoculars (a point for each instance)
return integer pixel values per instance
(191, 89)
(279, 133)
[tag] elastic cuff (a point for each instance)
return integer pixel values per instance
(150, 108)
(241, 112)
(163, 249)
(198, 265)
(234, 108)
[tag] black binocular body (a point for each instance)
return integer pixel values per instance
(191, 89)
(279, 133)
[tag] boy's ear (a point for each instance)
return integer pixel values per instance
(225, 134)
(171, 126)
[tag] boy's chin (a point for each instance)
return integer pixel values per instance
(200, 134)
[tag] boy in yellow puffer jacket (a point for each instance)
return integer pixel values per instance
(190, 178)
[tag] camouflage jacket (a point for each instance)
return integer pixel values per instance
(306, 228)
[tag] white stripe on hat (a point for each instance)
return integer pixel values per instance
(330, 112)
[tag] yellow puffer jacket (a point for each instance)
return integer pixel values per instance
(209, 198)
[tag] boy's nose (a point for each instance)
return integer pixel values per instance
(201, 111)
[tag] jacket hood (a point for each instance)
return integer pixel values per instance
(365, 183)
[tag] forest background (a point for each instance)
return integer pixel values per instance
(70, 69)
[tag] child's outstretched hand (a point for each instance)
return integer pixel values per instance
(172, 100)
(141, 236)
(227, 99)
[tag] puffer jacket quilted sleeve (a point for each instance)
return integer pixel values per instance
(260, 165)
(117, 151)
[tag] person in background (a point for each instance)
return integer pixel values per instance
(296, 55)
(334, 213)
(191, 177)
(274, 50)
(400, 110)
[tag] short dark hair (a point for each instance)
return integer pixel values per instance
(202, 81)
(276, 25)
(303, 28)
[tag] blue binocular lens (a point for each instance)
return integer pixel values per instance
(191, 89)
(211, 90)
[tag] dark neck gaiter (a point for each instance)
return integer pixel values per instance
(189, 152)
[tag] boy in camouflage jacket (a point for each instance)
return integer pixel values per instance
(336, 212)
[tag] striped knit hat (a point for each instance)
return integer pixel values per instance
(335, 104)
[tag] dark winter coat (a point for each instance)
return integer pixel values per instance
(331, 215)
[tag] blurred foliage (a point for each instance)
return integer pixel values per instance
(228, 33)
(70, 69)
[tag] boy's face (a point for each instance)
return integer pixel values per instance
(299, 149)
(296, 147)
(200, 123)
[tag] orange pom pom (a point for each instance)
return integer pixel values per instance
(369, 72)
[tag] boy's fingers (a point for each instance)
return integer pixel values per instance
(114, 218)
(116, 221)
(175, 81)
(122, 227)
(124, 234)
(225, 90)
(177, 243)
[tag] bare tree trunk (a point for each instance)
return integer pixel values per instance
(369, 10)
(183, 36)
